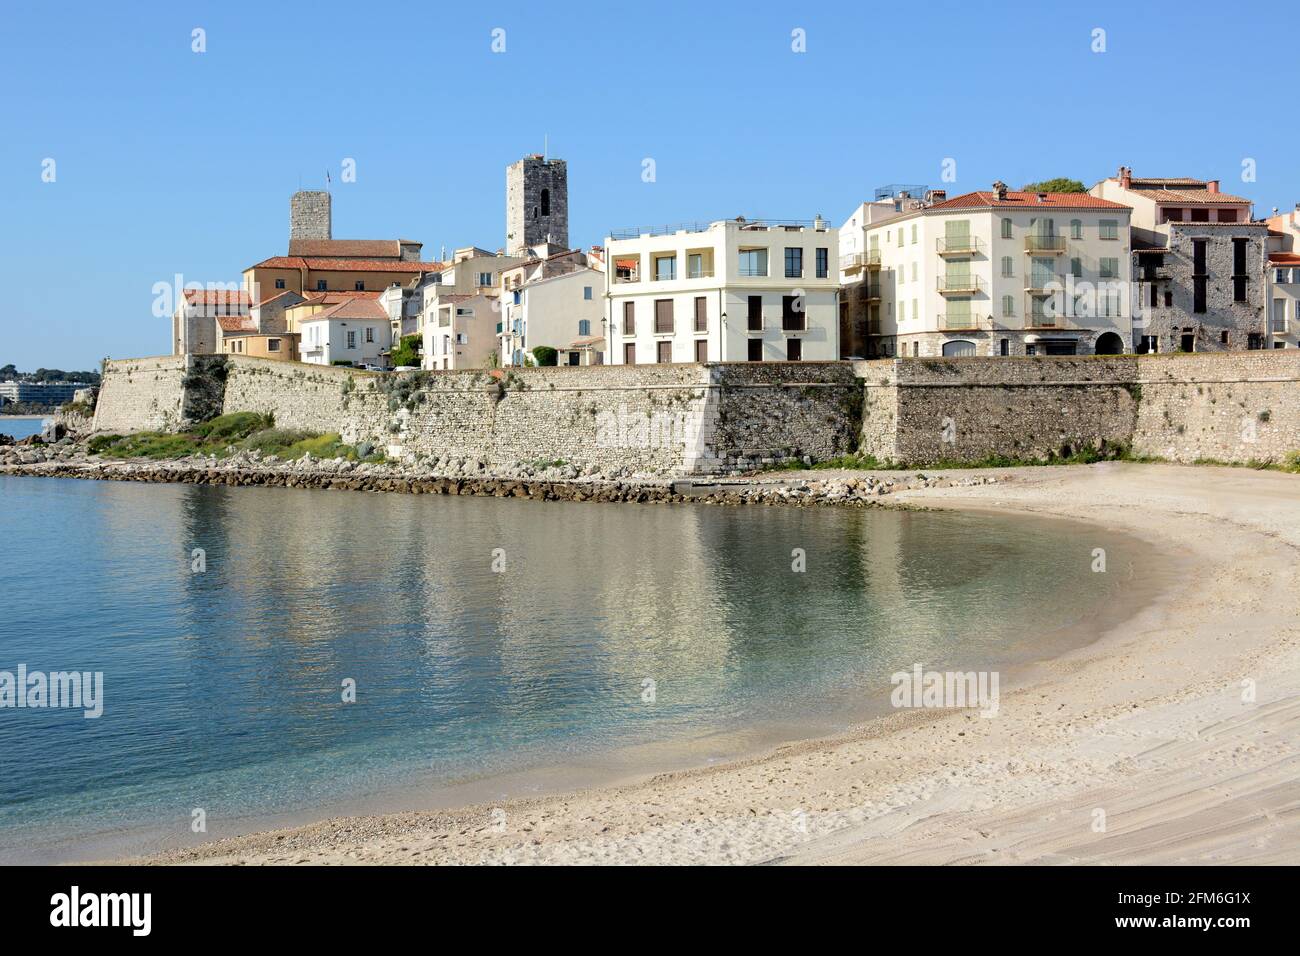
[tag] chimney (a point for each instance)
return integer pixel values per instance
(1212, 186)
(1000, 188)
(1125, 177)
(1042, 197)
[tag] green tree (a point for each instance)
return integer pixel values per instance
(406, 353)
(1058, 185)
(545, 355)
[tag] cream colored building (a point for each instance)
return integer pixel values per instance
(459, 331)
(353, 332)
(727, 291)
(1002, 273)
(563, 310)
(1284, 278)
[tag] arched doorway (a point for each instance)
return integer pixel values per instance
(958, 348)
(1109, 343)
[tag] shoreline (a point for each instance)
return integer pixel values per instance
(945, 786)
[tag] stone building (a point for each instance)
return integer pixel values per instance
(537, 204)
(309, 215)
(1199, 264)
(195, 324)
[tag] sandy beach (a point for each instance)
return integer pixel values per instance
(1171, 739)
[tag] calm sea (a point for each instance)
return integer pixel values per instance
(482, 637)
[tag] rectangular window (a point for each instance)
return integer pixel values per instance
(792, 314)
(701, 350)
(823, 262)
(665, 268)
(913, 233)
(663, 316)
(794, 350)
(1109, 228)
(1200, 215)
(1076, 267)
(279, 283)
(793, 263)
(1006, 228)
(586, 292)
(273, 345)
(755, 350)
(629, 319)
(1173, 215)
(485, 278)
(753, 262)
(1076, 229)
(664, 352)
(1008, 266)
(1239, 274)
(352, 340)
(1109, 268)
(359, 286)
(1198, 257)
(1227, 215)
(584, 326)
(701, 314)
(1198, 293)
(370, 333)
(320, 285)
(629, 353)
(755, 313)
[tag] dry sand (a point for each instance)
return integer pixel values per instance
(1138, 748)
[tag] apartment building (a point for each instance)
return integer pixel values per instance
(1284, 278)
(1199, 264)
(563, 311)
(355, 332)
(727, 291)
(860, 264)
(459, 331)
(1000, 273)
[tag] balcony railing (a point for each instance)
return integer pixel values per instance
(700, 274)
(964, 322)
(1051, 244)
(959, 245)
(1064, 322)
(952, 285)
(873, 291)
(1040, 282)
(633, 276)
(857, 261)
(794, 323)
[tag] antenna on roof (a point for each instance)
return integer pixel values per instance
(546, 144)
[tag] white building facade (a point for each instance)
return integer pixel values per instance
(727, 291)
(354, 333)
(563, 312)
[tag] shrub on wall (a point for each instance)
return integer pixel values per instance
(545, 355)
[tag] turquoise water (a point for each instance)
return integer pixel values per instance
(223, 689)
(20, 427)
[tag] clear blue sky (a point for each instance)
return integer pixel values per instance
(170, 161)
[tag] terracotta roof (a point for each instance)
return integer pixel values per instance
(1023, 200)
(236, 323)
(318, 264)
(346, 248)
(585, 341)
(1189, 224)
(1284, 258)
(1165, 183)
(351, 309)
(217, 297)
(333, 298)
(1192, 197)
(279, 295)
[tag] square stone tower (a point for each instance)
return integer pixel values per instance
(309, 215)
(537, 203)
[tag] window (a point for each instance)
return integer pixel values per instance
(1004, 347)
(273, 345)
(279, 283)
(913, 233)
(359, 285)
(916, 309)
(1109, 228)
(1223, 337)
(1008, 266)
(320, 285)
(913, 271)
(1200, 215)
(663, 316)
(1006, 228)
(586, 293)
(1227, 215)
(546, 202)
(629, 354)
(485, 278)
(1282, 276)
(665, 268)
(701, 350)
(1076, 228)
(794, 350)
(664, 353)
(629, 320)
(370, 333)
(701, 314)
(1108, 268)
(792, 315)
(753, 262)
(1008, 305)
(352, 340)
(755, 313)
(1076, 267)
(823, 262)
(1239, 275)
(1173, 215)
(793, 263)
(755, 350)
(584, 326)
(900, 238)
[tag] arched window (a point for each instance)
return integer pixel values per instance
(546, 202)
(958, 348)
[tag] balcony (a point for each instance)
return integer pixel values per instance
(623, 276)
(873, 292)
(858, 261)
(1059, 323)
(959, 285)
(964, 322)
(1039, 283)
(700, 274)
(1051, 245)
(959, 246)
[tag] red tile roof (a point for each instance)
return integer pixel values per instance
(217, 297)
(1284, 258)
(333, 298)
(1023, 200)
(351, 309)
(1192, 197)
(236, 323)
(317, 264)
(346, 248)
